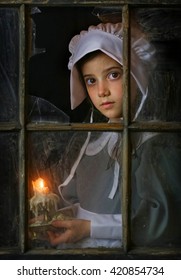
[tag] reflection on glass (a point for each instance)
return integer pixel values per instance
(156, 195)
(79, 175)
(9, 59)
(162, 28)
(9, 190)
(156, 192)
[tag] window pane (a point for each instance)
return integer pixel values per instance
(156, 196)
(9, 59)
(41, 110)
(49, 77)
(156, 192)
(9, 218)
(155, 56)
(82, 171)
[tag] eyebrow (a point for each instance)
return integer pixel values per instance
(106, 70)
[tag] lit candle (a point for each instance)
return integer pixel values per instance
(43, 201)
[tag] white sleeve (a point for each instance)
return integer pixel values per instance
(106, 226)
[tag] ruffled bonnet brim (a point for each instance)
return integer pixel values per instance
(108, 39)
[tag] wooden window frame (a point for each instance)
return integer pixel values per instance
(127, 127)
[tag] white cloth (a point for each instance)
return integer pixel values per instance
(105, 228)
(103, 233)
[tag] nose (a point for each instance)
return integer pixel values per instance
(103, 89)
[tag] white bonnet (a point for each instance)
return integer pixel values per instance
(107, 37)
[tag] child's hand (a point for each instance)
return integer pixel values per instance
(74, 231)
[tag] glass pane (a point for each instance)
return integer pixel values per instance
(9, 217)
(49, 76)
(156, 192)
(155, 63)
(74, 176)
(41, 110)
(9, 59)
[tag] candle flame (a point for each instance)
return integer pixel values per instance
(39, 186)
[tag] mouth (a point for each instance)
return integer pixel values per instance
(107, 104)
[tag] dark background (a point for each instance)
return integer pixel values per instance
(48, 71)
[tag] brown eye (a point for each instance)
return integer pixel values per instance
(90, 81)
(114, 75)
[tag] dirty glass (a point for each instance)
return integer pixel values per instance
(156, 156)
(156, 38)
(74, 176)
(9, 217)
(156, 194)
(9, 59)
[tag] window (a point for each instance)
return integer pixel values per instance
(42, 138)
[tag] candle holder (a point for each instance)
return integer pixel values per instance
(43, 205)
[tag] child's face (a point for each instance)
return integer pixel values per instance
(103, 80)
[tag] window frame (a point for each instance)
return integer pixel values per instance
(126, 128)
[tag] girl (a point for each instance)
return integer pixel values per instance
(92, 187)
